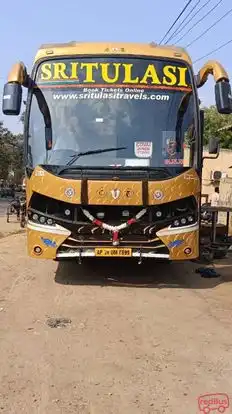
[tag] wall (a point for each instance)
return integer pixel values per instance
(222, 163)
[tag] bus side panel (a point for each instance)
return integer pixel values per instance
(48, 242)
(182, 246)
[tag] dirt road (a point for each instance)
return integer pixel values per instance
(119, 349)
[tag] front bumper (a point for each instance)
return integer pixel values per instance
(54, 242)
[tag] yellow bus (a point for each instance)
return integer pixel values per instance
(113, 149)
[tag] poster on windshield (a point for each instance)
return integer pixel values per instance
(172, 150)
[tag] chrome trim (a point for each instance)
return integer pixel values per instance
(56, 229)
(177, 230)
(159, 246)
(91, 253)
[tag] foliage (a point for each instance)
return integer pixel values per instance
(11, 154)
(214, 121)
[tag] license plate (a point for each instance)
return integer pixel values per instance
(111, 252)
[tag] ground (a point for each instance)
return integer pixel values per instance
(73, 340)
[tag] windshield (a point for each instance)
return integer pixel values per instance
(87, 104)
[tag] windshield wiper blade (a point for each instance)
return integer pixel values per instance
(91, 152)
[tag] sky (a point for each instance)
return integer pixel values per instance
(24, 27)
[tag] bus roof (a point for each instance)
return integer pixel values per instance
(109, 48)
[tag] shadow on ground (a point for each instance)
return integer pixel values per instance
(150, 274)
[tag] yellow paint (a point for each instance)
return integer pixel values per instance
(101, 192)
(190, 240)
(117, 193)
(212, 67)
(18, 73)
(111, 48)
(184, 185)
(128, 74)
(182, 76)
(105, 72)
(89, 70)
(54, 187)
(59, 71)
(34, 239)
(113, 73)
(152, 75)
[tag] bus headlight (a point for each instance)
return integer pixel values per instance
(49, 221)
(40, 219)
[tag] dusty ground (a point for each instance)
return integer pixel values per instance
(7, 228)
(124, 350)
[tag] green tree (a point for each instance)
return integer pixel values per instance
(215, 121)
(11, 154)
(16, 158)
(5, 150)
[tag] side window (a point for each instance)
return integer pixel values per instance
(36, 139)
(189, 133)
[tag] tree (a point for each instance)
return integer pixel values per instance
(214, 121)
(5, 139)
(17, 158)
(11, 154)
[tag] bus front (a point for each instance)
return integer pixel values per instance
(113, 157)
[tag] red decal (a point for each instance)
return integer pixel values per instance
(213, 402)
(115, 235)
(131, 221)
(97, 222)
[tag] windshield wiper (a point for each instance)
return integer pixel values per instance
(81, 154)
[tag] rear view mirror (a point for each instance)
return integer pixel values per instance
(223, 97)
(12, 98)
(214, 146)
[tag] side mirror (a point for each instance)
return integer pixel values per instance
(12, 98)
(223, 97)
(214, 147)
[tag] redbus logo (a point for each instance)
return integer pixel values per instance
(213, 402)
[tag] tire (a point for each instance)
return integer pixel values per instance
(220, 254)
(23, 222)
(8, 215)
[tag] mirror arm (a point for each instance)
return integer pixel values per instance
(18, 74)
(212, 67)
(208, 157)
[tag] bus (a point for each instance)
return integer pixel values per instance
(113, 137)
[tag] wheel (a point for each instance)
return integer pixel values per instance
(206, 254)
(8, 215)
(221, 409)
(23, 222)
(220, 254)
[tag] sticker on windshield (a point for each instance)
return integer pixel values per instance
(172, 154)
(143, 149)
(135, 162)
(171, 148)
